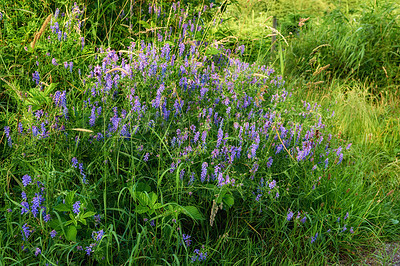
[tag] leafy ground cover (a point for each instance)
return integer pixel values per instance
(175, 148)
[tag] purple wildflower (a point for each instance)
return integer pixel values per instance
(36, 204)
(76, 207)
(98, 235)
(82, 173)
(204, 171)
(203, 137)
(26, 180)
(186, 239)
(25, 207)
(146, 157)
(7, 131)
(220, 136)
(97, 219)
(269, 163)
(35, 131)
(290, 215)
(314, 238)
(54, 62)
(25, 232)
(20, 128)
(340, 158)
(272, 184)
(83, 42)
(74, 162)
(47, 218)
(37, 252)
(92, 118)
(36, 77)
(88, 250)
(344, 228)
(53, 233)
(181, 174)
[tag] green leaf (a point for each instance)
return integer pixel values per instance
(228, 200)
(88, 214)
(62, 208)
(71, 233)
(394, 221)
(141, 209)
(193, 212)
(145, 24)
(69, 200)
(153, 198)
(221, 195)
(157, 206)
(172, 44)
(82, 220)
(212, 51)
(143, 198)
(50, 88)
(142, 187)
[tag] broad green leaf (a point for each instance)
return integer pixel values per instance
(82, 220)
(62, 208)
(71, 233)
(157, 206)
(50, 88)
(141, 209)
(88, 214)
(143, 198)
(153, 198)
(228, 200)
(142, 187)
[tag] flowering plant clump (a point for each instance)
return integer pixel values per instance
(159, 132)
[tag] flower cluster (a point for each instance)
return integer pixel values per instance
(199, 255)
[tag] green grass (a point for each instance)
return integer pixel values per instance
(350, 208)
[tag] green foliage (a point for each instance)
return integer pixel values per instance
(363, 47)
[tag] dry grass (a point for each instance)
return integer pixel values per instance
(40, 32)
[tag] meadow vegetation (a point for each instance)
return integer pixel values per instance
(166, 132)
